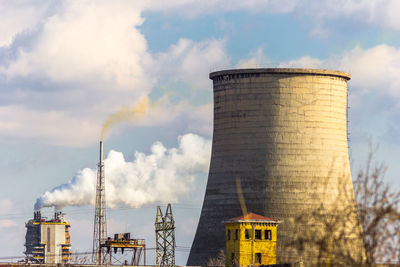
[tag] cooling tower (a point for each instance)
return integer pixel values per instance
(283, 132)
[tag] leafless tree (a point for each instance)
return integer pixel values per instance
(379, 213)
(329, 235)
(217, 261)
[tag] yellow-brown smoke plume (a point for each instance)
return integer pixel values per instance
(126, 114)
(241, 197)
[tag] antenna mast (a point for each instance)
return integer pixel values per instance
(100, 224)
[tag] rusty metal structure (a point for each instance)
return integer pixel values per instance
(123, 243)
(100, 224)
(48, 241)
(165, 237)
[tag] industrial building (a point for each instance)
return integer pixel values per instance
(251, 240)
(283, 132)
(48, 241)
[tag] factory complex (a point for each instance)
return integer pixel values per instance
(279, 167)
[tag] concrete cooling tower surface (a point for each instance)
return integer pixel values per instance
(284, 133)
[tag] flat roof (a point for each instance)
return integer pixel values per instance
(323, 72)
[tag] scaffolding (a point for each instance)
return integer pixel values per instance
(165, 237)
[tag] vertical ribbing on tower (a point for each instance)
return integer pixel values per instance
(100, 225)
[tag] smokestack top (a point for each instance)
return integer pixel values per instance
(289, 71)
(101, 151)
(37, 215)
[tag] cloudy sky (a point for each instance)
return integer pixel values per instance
(67, 65)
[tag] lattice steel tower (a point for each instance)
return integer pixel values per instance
(100, 224)
(165, 237)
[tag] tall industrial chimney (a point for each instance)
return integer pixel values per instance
(284, 133)
(100, 223)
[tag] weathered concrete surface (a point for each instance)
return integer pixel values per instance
(284, 133)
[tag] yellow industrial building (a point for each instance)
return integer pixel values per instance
(251, 240)
(48, 241)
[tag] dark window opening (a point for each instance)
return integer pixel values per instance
(258, 258)
(268, 235)
(48, 239)
(228, 235)
(236, 234)
(246, 234)
(257, 234)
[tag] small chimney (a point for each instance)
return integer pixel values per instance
(58, 216)
(37, 216)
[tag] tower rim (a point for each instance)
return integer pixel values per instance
(292, 71)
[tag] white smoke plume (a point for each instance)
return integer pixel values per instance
(162, 176)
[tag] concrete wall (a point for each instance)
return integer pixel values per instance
(53, 235)
(284, 133)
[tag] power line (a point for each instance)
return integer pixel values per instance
(78, 210)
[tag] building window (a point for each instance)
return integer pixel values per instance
(236, 234)
(257, 234)
(268, 235)
(258, 258)
(246, 234)
(228, 235)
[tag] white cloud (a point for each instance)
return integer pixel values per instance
(183, 116)
(303, 62)
(193, 8)
(256, 60)
(19, 16)
(191, 62)
(87, 59)
(372, 12)
(19, 123)
(162, 176)
(53, 127)
(374, 69)
(88, 43)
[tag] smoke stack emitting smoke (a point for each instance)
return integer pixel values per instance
(126, 114)
(161, 176)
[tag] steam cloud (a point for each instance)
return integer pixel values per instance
(162, 176)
